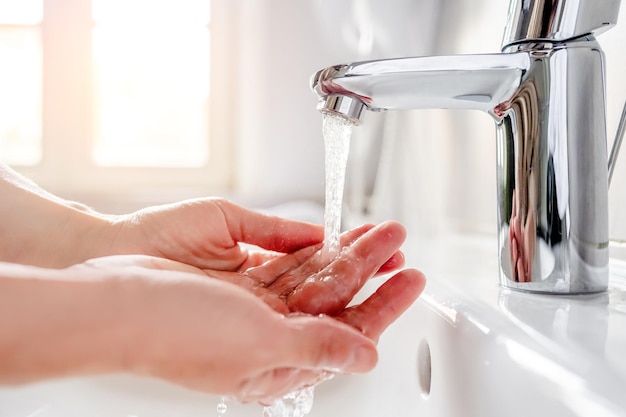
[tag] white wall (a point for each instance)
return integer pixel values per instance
(280, 153)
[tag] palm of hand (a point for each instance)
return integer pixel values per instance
(306, 282)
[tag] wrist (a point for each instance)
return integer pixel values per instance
(71, 325)
(68, 236)
(38, 228)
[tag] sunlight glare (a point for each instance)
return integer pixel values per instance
(151, 69)
(22, 12)
(20, 101)
(186, 12)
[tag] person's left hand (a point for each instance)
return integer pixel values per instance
(207, 233)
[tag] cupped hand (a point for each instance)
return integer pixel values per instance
(309, 281)
(214, 336)
(208, 233)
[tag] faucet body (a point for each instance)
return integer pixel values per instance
(552, 173)
(546, 93)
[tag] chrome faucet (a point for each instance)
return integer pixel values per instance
(546, 93)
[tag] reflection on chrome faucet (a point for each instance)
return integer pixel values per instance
(546, 94)
(522, 222)
(522, 243)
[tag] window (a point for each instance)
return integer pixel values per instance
(20, 81)
(151, 85)
(109, 95)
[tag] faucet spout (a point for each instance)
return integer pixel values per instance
(479, 82)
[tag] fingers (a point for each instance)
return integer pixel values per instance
(311, 349)
(273, 300)
(330, 290)
(296, 272)
(383, 307)
(395, 262)
(268, 232)
(323, 343)
(307, 350)
(268, 273)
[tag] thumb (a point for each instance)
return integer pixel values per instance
(269, 232)
(324, 343)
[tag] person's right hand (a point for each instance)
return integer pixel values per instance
(214, 336)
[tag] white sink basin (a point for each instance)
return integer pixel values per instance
(467, 348)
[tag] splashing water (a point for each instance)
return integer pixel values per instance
(337, 131)
(295, 404)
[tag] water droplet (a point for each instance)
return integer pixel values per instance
(221, 406)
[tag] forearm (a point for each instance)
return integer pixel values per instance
(54, 324)
(38, 228)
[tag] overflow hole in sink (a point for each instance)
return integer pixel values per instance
(424, 370)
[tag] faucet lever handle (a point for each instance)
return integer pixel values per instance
(558, 20)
